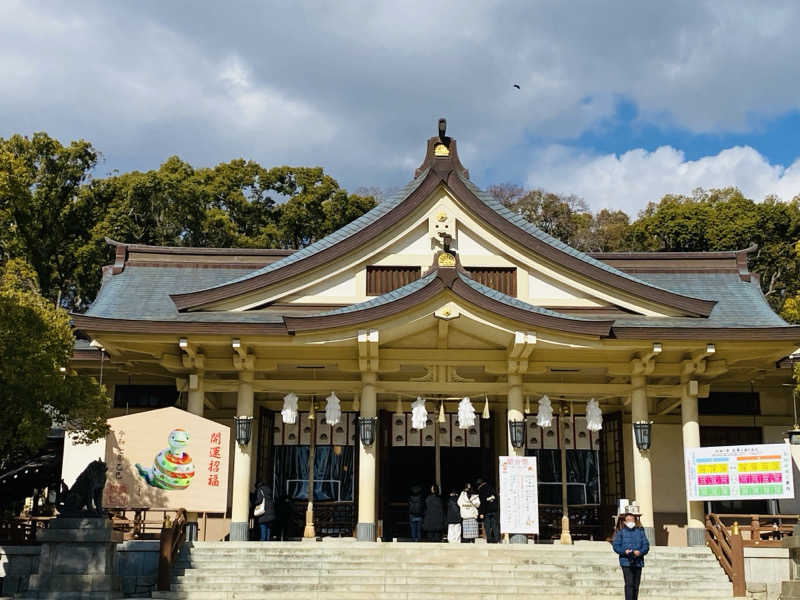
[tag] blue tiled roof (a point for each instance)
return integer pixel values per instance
(739, 303)
(143, 293)
(528, 227)
(337, 236)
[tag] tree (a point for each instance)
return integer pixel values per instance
(37, 387)
(43, 217)
(234, 204)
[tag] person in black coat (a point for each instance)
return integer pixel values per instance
(433, 522)
(453, 518)
(490, 510)
(264, 520)
(416, 511)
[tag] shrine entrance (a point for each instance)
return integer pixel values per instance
(442, 453)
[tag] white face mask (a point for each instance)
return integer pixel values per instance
(630, 524)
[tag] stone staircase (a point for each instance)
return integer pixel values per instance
(349, 570)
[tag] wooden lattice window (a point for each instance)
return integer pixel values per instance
(502, 279)
(381, 280)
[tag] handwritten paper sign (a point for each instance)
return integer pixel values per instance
(754, 472)
(519, 497)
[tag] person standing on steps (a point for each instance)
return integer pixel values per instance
(630, 543)
(264, 511)
(453, 519)
(416, 512)
(433, 522)
(468, 503)
(490, 509)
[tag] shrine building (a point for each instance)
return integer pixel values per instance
(442, 293)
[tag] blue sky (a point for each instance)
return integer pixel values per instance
(619, 102)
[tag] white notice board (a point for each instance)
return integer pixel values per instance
(754, 472)
(519, 496)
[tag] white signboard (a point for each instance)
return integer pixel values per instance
(519, 497)
(755, 472)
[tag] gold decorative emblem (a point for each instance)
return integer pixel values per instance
(441, 216)
(441, 150)
(447, 260)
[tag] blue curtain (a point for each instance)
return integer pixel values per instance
(333, 472)
(582, 471)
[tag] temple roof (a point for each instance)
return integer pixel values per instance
(140, 295)
(164, 289)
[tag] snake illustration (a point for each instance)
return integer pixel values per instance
(172, 467)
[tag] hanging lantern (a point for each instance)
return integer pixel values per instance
(466, 414)
(366, 428)
(419, 415)
(485, 414)
(642, 431)
(289, 412)
(244, 428)
(333, 409)
(517, 433)
(441, 412)
(594, 416)
(545, 416)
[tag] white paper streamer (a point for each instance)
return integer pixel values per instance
(289, 412)
(333, 409)
(594, 416)
(545, 416)
(466, 414)
(419, 415)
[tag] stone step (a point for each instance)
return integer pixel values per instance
(544, 594)
(432, 563)
(277, 570)
(409, 571)
(290, 583)
(437, 552)
(452, 589)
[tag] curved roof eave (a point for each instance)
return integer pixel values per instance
(392, 211)
(427, 288)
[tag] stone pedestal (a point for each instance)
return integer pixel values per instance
(77, 561)
(790, 590)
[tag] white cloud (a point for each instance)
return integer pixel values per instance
(357, 86)
(630, 180)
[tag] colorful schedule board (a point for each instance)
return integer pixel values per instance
(739, 472)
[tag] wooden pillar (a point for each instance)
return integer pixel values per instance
(642, 471)
(695, 531)
(365, 530)
(240, 503)
(196, 397)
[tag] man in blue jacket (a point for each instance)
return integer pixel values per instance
(630, 542)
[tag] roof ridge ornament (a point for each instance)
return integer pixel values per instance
(441, 155)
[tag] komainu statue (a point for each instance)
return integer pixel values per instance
(85, 497)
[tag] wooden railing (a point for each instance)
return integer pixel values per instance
(761, 530)
(140, 523)
(173, 535)
(728, 547)
(21, 531)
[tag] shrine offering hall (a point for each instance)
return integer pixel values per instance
(442, 298)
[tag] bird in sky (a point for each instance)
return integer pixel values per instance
(516, 85)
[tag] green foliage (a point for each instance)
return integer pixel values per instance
(37, 387)
(43, 216)
(55, 216)
(708, 220)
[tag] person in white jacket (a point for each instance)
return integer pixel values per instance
(468, 503)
